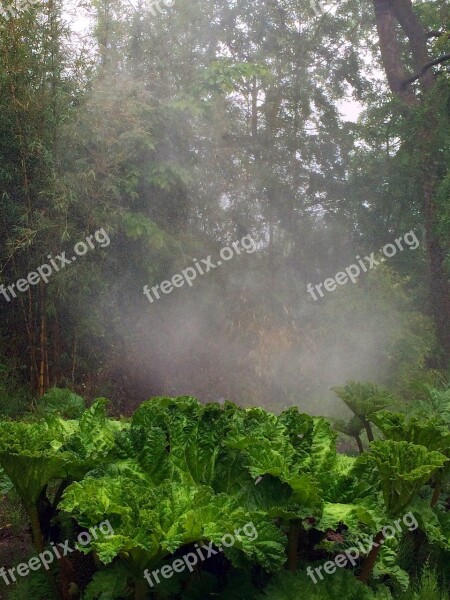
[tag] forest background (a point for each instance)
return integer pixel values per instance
(181, 130)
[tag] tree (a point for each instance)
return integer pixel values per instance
(423, 105)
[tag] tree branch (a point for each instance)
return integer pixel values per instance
(425, 68)
(434, 33)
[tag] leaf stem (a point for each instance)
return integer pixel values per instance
(293, 536)
(371, 558)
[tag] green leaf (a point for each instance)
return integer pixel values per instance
(108, 584)
(341, 585)
(363, 399)
(403, 468)
(352, 515)
(62, 402)
(433, 433)
(148, 527)
(32, 454)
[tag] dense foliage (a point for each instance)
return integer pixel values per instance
(181, 473)
(181, 130)
(141, 138)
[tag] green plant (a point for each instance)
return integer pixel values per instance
(61, 402)
(182, 473)
(35, 586)
(33, 454)
(403, 468)
(15, 398)
(432, 402)
(173, 451)
(363, 399)
(353, 429)
(426, 588)
(338, 586)
(431, 432)
(12, 515)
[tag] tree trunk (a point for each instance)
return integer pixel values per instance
(439, 288)
(42, 346)
(391, 54)
(387, 14)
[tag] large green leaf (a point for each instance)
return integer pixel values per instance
(403, 468)
(149, 526)
(108, 584)
(182, 434)
(363, 399)
(32, 454)
(62, 402)
(351, 515)
(435, 523)
(265, 443)
(433, 433)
